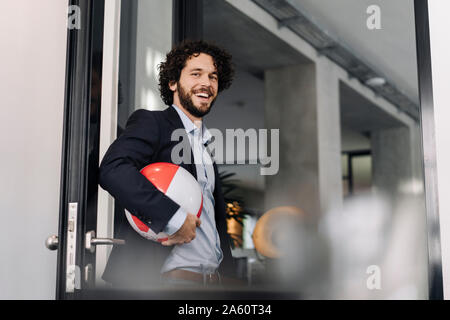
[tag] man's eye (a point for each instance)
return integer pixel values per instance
(213, 78)
(196, 74)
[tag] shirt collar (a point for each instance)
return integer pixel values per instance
(191, 127)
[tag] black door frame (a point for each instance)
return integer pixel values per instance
(435, 279)
(79, 160)
(187, 20)
(81, 125)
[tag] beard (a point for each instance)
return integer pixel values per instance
(187, 103)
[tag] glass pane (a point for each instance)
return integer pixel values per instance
(338, 79)
(145, 38)
(316, 82)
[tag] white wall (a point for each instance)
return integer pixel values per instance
(32, 64)
(440, 53)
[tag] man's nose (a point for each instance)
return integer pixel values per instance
(205, 80)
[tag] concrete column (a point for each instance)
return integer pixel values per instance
(392, 169)
(329, 136)
(303, 103)
(398, 178)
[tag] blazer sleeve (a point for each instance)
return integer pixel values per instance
(119, 172)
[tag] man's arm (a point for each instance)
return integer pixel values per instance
(119, 172)
(186, 233)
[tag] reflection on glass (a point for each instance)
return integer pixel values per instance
(362, 173)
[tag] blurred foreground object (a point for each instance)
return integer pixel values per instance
(378, 247)
(295, 254)
(271, 230)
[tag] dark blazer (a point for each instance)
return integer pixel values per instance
(147, 139)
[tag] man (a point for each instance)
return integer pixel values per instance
(198, 249)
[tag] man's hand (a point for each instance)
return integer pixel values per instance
(186, 233)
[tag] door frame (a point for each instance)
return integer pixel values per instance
(81, 128)
(80, 132)
(435, 278)
(187, 21)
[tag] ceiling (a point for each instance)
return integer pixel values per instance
(361, 115)
(254, 50)
(391, 50)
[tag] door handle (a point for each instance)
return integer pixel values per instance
(92, 241)
(52, 242)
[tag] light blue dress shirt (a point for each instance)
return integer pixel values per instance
(203, 254)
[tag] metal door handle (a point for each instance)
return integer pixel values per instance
(92, 241)
(52, 242)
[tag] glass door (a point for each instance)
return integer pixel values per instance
(325, 98)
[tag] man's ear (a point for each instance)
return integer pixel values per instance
(173, 86)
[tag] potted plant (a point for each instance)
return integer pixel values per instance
(235, 208)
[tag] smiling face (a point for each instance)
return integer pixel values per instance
(196, 90)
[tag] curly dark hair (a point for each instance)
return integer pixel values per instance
(170, 70)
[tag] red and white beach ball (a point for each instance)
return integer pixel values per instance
(176, 183)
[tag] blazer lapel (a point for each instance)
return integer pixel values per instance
(176, 123)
